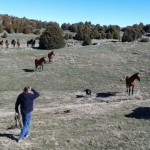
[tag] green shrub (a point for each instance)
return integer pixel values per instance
(4, 35)
(52, 37)
(37, 32)
(144, 40)
(66, 36)
(86, 41)
(1, 28)
(70, 36)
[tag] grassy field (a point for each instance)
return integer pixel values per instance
(108, 120)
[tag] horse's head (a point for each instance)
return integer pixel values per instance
(53, 53)
(138, 76)
(44, 59)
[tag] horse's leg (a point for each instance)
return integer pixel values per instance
(132, 89)
(129, 90)
(36, 66)
(42, 67)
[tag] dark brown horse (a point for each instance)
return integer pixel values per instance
(130, 82)
(31, 42)
(13, 42)
(51, 56)
(40, 63)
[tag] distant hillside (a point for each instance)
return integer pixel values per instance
(20, 25)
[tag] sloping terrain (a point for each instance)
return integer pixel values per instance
(64, 118)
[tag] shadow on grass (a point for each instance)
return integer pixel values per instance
(80, 96)
(28, 70)
(10, 136)
(140, 113)
(107, 94)
(148, 35)
(38, 48)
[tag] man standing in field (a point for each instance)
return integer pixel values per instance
(25, 100)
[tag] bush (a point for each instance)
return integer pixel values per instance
(1, 28)
(4, 35)
(66, 36)
(86, 41)
(37, 32)
(52, 38)
(9, 29)
(144, 40)
(70, 36)
(131, 34)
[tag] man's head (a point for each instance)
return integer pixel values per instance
(27, 89)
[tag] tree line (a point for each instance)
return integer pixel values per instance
(53, 35)
(13, 24)
(89, 31)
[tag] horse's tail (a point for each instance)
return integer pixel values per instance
(127, 80)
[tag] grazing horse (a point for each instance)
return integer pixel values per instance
(51, 56)
(40, 62)
(13, 42)
(1, 42)
(7, 43)
(130, 82)
(18, 43)
(32, 42)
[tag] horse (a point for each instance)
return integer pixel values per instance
(1, 42)
(40, 62)
(51, 56)
(18, 43)
(130, 82)
(7, 43)
(32, 42)
(13, 42)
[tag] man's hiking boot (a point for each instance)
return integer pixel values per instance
(20, 140)
(26, 136)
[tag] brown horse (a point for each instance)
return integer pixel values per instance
(130, 82)
(7, 43)
(40, 62)
(51, 56)
(18, 43)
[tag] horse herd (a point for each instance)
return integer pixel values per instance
(39, 63)
(17, 42)
(130, 80)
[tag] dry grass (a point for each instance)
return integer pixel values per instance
(109, 119)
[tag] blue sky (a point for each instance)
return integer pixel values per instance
(103, 12)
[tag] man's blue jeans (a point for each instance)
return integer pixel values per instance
(26, 118)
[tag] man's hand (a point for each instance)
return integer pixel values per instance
(30, 88)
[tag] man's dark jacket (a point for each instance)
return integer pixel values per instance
(25, 100)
